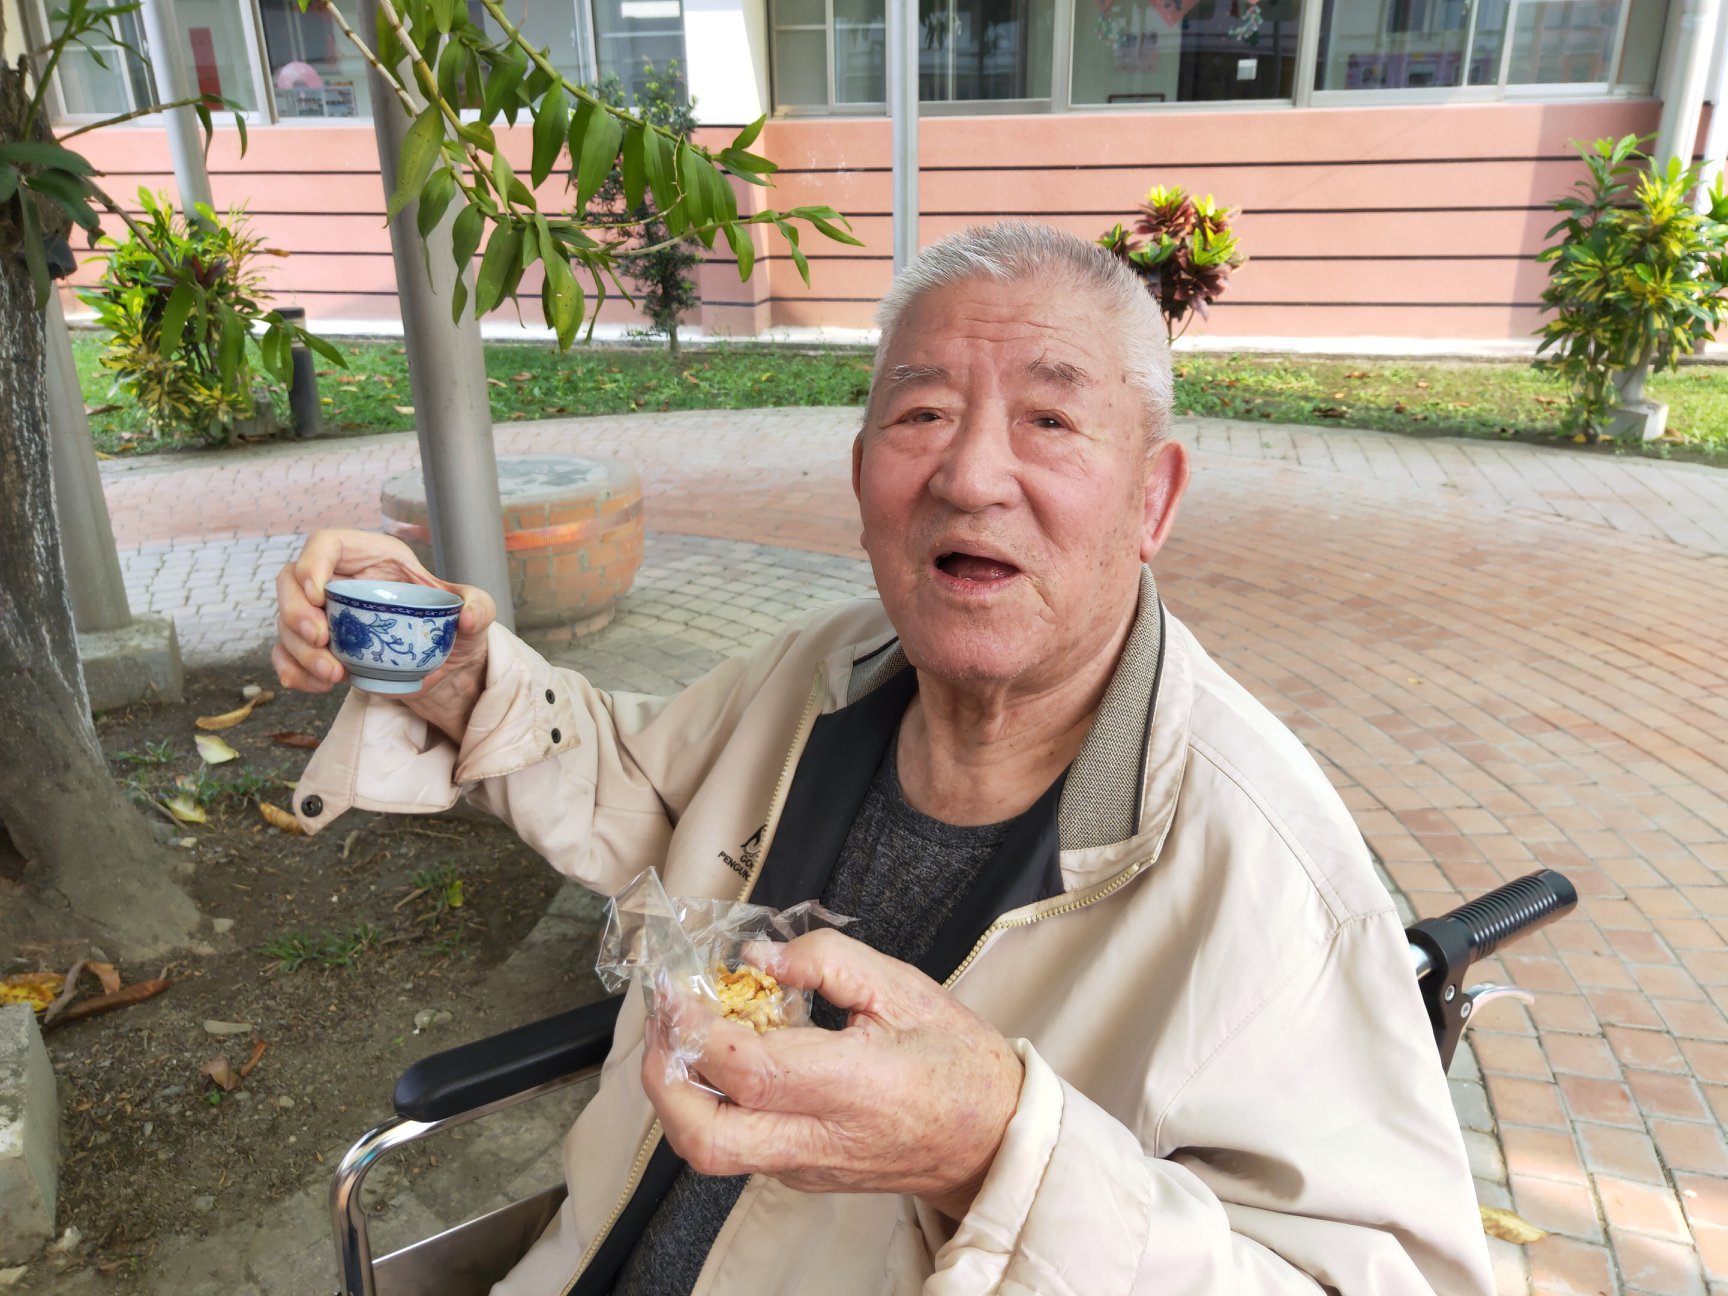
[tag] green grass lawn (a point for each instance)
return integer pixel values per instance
(529, 381)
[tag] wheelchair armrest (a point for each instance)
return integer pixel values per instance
(501, 1066)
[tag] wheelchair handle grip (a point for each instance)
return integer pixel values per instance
(1513, 910)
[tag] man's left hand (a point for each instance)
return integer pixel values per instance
(912, 1097)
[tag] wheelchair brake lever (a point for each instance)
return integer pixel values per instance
(1477, 996)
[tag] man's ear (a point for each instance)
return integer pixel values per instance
(1166, 477)
(858, 465)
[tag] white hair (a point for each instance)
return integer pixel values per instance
(1014, 251)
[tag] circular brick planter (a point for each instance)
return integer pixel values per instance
(572, 535)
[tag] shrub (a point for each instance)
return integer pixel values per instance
(1184, 250)
(663, 281)
(184, 355)
(1636, 280)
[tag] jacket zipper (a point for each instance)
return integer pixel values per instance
(805, 723)
(801, 735)
(636, 1172)
(1048, 909)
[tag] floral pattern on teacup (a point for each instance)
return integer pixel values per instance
(398, 642)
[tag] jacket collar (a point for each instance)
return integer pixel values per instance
(1106, 798)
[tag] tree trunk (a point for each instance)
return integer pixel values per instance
(672, 340)
(82, 842)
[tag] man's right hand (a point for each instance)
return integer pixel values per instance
(302, 657)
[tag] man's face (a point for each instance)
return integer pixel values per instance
(1006, 493)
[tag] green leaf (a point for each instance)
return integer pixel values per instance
(8, 181)
(465, 235)
(498, 266)
(443, 14)
(180, 303)
(449, 74)
(747, 166)
(458, 300)
(385, 43)
(746, 137)
(635, 179)
(240, 126)
(434, 200)
(551, 120)
(742, 248)
(690, 168)
(823, 219)
(231, 347)
(206, 125)
(42, 154)
(502, 84)
(563, 298)
(791, 233)
(420, 149)
(657, 167)
(600, 141)
(320, 347)
(68, 192)
(35, 255)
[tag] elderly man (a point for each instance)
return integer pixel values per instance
(1125, 1008)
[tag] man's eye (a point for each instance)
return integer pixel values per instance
(921, 416)
(1048, 421)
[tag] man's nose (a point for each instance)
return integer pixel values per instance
(978, 465)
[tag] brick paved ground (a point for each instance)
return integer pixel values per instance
(1505, 657)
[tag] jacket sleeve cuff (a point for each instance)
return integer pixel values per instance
(525, 714)
(1066, 1170)
(380, 756)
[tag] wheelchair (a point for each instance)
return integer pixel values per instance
(463, 1084)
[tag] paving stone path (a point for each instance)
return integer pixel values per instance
(1504, 656)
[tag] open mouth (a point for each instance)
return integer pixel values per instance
(975, 568)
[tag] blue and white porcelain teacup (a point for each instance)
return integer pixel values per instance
(388, 634)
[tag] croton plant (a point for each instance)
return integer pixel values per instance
(1184, 250)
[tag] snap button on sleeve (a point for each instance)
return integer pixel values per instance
(550, 696)
(556, 736)
(312, 807)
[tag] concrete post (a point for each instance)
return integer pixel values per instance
(452, 410)
(902, 37)
(168, 66)
(1716, 138)
(1686, 51)
(86, 535)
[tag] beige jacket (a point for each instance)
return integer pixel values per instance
(1230, 1082)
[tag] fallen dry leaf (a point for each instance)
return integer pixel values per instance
(1360, 373)
(137, 992)
(185, 809)
(1509, 1226)
(496, 382)
(277, 817)
(228, 719)
(108, 975)
(100, 409)
(1330, 411)
(247, 1067)
(1398, 408)
(692, 379)
(218, 1071)
(214, 750)
(37, 989)
(521, 377)
(404, 409)
(1421, 384)
(289, 738)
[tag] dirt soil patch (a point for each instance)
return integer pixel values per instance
(342, 957)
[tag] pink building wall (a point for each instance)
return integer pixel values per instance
(1419, 221)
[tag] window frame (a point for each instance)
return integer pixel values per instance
(1496, 92)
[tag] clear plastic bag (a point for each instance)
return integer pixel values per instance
(694, 949)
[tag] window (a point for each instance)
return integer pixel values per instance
(103, 79)
(633, 35)
(88, 89)
(984, 49)
(314, 69)
(969, 51)
(1184, 51)
(1438, 44)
